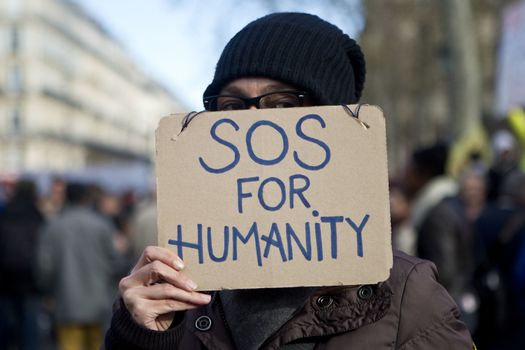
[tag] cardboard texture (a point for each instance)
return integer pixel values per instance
(276, 197)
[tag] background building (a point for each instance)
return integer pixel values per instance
(71, 98)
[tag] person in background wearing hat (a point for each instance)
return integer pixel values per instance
(285, 60)
(505, 149)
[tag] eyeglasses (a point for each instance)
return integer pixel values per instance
(276, 99)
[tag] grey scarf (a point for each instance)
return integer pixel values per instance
(253, 315)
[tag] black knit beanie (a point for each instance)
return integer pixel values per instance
(299, 49)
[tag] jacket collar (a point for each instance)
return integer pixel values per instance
(335, 310)
(327, 312)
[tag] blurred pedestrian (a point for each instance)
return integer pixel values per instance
(467, 208)
(144, 226)
(107, 204)
(505, 163)
(54, 201)
(403, 233)
(78, 260)
(3, 197)
(111, 208)
(500, 273)
(7, 186)
(472, 198)
(441, 232)
(128, 201)
(426, 182)
(20, 224)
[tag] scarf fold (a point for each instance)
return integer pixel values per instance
(254, 315)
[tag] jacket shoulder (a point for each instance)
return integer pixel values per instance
(403, 262)
(404, 266)
(427, 316)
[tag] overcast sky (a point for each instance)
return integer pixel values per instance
(178, 42)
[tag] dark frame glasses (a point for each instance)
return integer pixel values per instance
(211, 103)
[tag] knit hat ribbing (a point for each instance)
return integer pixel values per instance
(298, 49)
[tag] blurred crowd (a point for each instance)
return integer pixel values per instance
(63, 252)
(61, 257)
(473, 228)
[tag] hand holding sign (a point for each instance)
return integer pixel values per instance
(156, 289)
(276, 197)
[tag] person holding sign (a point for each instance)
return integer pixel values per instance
(283, 60)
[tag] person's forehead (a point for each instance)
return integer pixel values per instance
(255, 85)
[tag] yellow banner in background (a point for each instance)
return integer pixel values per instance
(517, 125)
(472, 141)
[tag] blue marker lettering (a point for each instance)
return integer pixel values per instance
(237, 235)
(319, 241)
(333, 220)
(240, 193)
(299, 191)
(359, 232)
(225, 248)
(180, 243)
(236, 154)
(277, 241)
(261, 194)
(290, 234)
(249, 136)
(324, 146)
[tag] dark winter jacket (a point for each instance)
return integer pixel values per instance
(408, 311)
(445, 238)
(20, 224)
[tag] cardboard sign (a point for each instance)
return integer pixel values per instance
(276, 197)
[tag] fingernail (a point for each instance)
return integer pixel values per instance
(206, 297)
(178, 264)
(191, 285)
